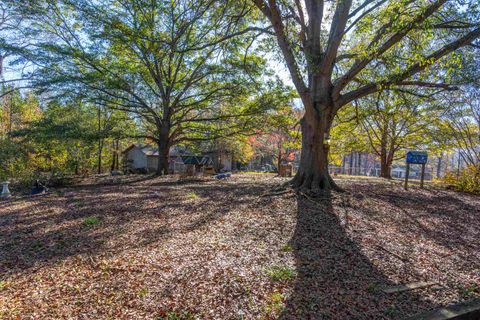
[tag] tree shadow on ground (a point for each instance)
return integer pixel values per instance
(143, 211)
(335, 280)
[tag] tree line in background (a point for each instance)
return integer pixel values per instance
(374, 76)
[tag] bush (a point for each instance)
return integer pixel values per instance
(468, 180)
(280, 273)
(91, 221)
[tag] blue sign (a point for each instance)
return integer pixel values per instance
(417, 157)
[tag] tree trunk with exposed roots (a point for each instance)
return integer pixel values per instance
(312, 175)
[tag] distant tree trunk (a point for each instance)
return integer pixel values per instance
(359, 163)
(100, 149)
(114, 156)
(100, 142)
(279, 159)
(439, 165)
(350, 164)
(366, 164)
(117, 154)
(386, 155)
(386, 160)
(385, 169)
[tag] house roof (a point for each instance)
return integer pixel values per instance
(199, 160)
(145, 148)
(150, 150)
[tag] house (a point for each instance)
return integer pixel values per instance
(222, 160)
(194, 165)
(141, 157)
(144, 158)
(400, 172)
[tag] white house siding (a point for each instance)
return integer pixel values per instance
(226, 162)
(137, 157)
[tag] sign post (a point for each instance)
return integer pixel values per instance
(416, 157)
(407, 173)
(423, 175)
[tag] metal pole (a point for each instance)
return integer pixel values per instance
(423, 175)
(406, 176)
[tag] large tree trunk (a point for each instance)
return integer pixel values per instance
(312, 175)
(162, 165)
(385, 167)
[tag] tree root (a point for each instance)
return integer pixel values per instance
(280, 192)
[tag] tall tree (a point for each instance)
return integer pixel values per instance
(394, 122)
(333, 48)
(463, 123)
(279, 137)
(179, 66)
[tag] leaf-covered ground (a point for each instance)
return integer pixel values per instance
(156, 248)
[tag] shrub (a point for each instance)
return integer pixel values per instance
(173, 315)
(192, 196)
(275, 304)
(91, 221)
(281, 273)
(468, 180)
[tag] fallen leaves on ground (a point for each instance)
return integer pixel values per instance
(160, 248)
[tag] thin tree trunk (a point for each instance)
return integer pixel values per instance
(114, 158)
(279, 159)
(350, 164)
(439, 165)
(359, 163)
(100, 142)
(117, 155)
(99, 163)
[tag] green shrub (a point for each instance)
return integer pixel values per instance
(275, 304)
(91, 221)
(468, 180)
(192, 196)
(278, 273)
(173, 315)
(143, 292)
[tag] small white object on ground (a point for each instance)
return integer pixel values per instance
(5, 191)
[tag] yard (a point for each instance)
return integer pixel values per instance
(159, 248)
